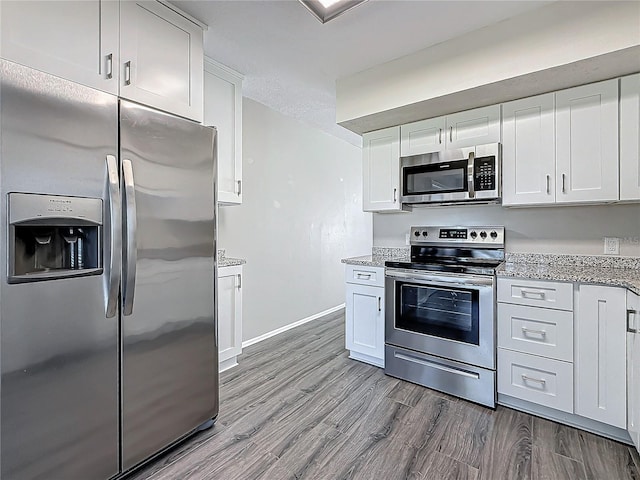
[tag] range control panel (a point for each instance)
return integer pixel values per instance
(487, 235)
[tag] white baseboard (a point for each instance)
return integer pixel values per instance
(292, 325)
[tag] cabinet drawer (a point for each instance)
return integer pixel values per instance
(536, 293)
(540, 331)
(365, 275)
(536, 379)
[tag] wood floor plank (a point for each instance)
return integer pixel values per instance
(557, 438)
(606, 459)
(296, 407)
(436, 466)
(465, 433)
(507, 452)
(546, 465)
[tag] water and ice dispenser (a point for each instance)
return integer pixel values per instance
(52, 236)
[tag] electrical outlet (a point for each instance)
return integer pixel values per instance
(611, 246)
(407, 239)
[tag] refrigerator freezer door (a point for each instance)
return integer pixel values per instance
(59, 351)
(169, 348)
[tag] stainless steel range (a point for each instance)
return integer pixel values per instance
(440, 318)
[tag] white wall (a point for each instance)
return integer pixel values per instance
(572, 230)
(301, 214)
(554, 47)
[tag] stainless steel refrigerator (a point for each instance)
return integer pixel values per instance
(108, 349)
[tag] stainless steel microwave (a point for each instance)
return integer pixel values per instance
(470, 174)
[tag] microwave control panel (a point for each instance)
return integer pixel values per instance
(485, 173)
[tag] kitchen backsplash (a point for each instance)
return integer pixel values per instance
(578, 230)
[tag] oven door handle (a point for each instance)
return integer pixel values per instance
(439, 280)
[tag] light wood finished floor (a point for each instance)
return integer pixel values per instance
(297, 407)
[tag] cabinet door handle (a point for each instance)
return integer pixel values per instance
(451, 134)
(528, 331)
(548, 184)
(379, 304)
(127, 73)
(395, 191)
(239, 281)
(629, 328)
(109, 73)
(541, 381)
(524, 293)
(440, 136)
(239, 187)
(564, 190)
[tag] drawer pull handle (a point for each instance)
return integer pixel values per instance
(528, 331)
(630, 329)
(365, 276)
(538, 293)
(541, 381)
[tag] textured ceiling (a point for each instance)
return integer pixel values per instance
(291, 61)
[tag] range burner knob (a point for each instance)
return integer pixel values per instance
(425, 233)
(494, 234)
(474, 234)
(483, 235)
(416, 233)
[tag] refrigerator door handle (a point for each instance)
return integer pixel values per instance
(115, 228)
(130, 249)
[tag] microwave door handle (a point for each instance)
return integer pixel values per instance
(115, 229)
(470, 170)
(131, 254)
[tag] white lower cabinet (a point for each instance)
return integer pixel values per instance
(536, 379)
(633, 368)
(364, 323)
(565, 347)
(229, 316)
(600, 337)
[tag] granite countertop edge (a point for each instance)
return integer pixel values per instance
(230, 262)
(614, 277)
(371, 260)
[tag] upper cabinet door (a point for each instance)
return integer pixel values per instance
(161, 58)
(75, 40)
(425, 136)
(587, 143)
(473, 127)
(630, 137)
(381, 170)
(528, 151)
(223, 110)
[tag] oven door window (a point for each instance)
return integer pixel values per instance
(435, 178)
(440, 312)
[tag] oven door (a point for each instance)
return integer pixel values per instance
(443, 315)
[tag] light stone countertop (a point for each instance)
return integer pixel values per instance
(601, 270)
(224, 261)
(378, 256)
(596, 269)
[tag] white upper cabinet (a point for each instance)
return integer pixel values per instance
(630, 137)
(76, 40)
(161, 58)
(473, 127)
(425, 136)
(463, 129)
(587, 143)
(223, 110)
(140, 50)
(528, 151)
(381, 170)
